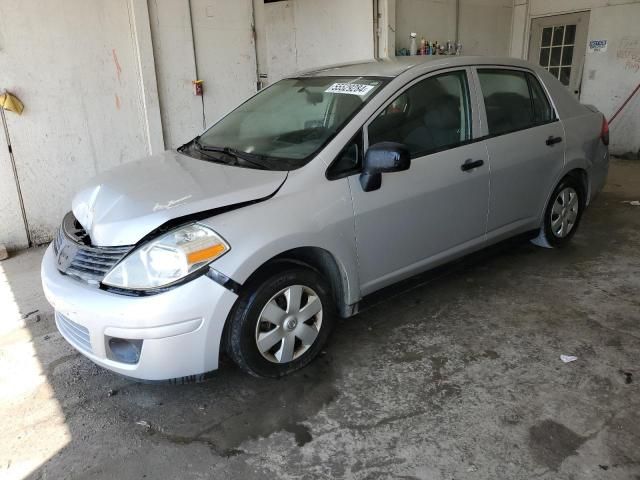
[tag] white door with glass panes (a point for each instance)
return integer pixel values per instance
(558, 44)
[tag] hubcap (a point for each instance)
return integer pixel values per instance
(289, 324)
(564, 212)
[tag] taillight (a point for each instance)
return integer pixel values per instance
(604, 133)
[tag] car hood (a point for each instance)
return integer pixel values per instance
(122, 205)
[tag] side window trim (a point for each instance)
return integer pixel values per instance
(536, 77)
(531, 77)
(471, 114)
(330, 175)
(477, 111)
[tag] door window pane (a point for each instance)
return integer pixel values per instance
(558, 33)
(556, 51)
(569, 34)
(509, 102)
(506, 100)
(546, 36)
(567, 55)
(431, 115)
(544, 56)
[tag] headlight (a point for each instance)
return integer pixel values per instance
(168, 258)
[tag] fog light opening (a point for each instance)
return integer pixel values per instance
(125, 351)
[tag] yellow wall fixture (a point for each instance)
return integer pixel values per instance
(9, 101)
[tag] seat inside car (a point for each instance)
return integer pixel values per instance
(440, 126)
(430, 120)
(507, 111)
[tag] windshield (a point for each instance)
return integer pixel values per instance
(283, 126)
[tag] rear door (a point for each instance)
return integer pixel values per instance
(526, 148)
(436, 208)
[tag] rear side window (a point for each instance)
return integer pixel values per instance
(514, 100)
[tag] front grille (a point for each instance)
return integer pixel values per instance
(76, 334)
(76, 256)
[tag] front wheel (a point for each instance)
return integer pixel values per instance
(280, 322)
(562, 215)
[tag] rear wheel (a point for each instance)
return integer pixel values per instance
(280, 322)
(562, 215)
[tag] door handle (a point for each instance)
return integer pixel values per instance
(471, 164)
(553, 140)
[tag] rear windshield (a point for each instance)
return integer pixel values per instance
(284, 125)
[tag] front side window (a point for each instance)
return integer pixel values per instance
(283, 126)
(432, 115)
(513, 100)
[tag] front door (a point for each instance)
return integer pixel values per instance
(437, 208)
(558, 44)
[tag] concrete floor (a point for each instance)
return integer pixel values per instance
(456, 374)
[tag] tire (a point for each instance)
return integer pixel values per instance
(266, 312)
(562, 215)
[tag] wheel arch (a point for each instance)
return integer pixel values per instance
(582, 176)
(320, 260)
(316, 258)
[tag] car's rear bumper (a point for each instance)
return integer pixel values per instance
(178, 331)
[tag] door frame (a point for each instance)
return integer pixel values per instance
(536, 24)
(476, 136)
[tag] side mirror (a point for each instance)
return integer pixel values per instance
(382, 158)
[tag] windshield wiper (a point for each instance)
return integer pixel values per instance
(195, 145)
(238, 154)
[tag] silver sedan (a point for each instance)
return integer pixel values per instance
(319, 190)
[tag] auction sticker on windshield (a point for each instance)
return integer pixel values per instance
(350, 88)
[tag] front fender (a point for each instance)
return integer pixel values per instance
(320, 217)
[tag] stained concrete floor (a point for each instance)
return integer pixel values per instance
(453, 375)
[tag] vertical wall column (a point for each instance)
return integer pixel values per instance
(519, 29)
(139, 12)
(387, 28)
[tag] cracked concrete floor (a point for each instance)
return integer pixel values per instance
(455, 374)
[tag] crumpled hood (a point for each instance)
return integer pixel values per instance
(122, 205)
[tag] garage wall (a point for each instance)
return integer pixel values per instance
(173, 51)
(76, 66)
(608, 77)
(484, 26)
(303, 34)
(11, 224)
(109, 81)
(209, 40)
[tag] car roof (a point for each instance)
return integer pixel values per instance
(393, 67)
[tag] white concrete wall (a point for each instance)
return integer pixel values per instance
(108, 81)
(431, 19)
(611, 76)
(208, 39)
(225, 53)
(608, 77)
(12, 231)
(75, 65)
(484, 26)
(303, 34)
(176, 68)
